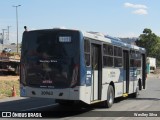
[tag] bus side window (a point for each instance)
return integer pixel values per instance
(107, 55)
(117, 56)
(135, 59)
(132, 54)
(87, 51)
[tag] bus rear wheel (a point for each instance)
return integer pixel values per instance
(110, 97)
(140, 84)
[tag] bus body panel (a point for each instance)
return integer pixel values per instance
(118, 89)
(112, 74)
(104, 91)
(85, 83)
(82, 93)
(83, 69)
(45, 92)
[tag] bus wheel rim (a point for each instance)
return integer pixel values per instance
(110, 98)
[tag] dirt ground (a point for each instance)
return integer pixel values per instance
(6, 85)
(9, 77)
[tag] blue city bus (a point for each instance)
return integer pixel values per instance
(72, 65)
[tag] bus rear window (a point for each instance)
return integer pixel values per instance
(50, 44)
(52, 58)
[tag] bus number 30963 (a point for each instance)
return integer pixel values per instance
(46, 92)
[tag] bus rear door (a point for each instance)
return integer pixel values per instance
(126, 71)
(97, 72)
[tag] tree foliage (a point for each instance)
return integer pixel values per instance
(151, 42)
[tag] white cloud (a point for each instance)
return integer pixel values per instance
(138, 6)
(140, 12)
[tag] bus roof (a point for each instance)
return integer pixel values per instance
(112, 40)
(101, 37)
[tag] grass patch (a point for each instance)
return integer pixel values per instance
(6, 87)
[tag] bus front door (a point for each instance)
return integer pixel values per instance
(126, 71)
(97, 72)
(144, 71)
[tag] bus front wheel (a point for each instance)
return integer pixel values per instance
(110, 97)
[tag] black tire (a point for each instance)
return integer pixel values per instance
(140, 84)
(110, 97)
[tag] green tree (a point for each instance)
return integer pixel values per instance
(151, 42)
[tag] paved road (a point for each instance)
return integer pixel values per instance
(148, 100)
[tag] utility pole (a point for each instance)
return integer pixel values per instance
(8, 32)
(3, 37)
(16, 6)
(1, 41)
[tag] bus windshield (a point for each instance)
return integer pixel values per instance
(50, 58)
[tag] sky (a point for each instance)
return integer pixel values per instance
(118, 18)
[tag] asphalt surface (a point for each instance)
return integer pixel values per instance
(148, 102)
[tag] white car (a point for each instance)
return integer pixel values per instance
(6, 50)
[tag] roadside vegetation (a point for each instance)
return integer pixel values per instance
(151, 42)
(6, 87)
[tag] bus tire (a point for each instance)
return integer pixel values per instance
(140, 84)
(110, 97)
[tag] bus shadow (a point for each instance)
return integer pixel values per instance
(80, 110)
(75, 110)
(154, 99)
